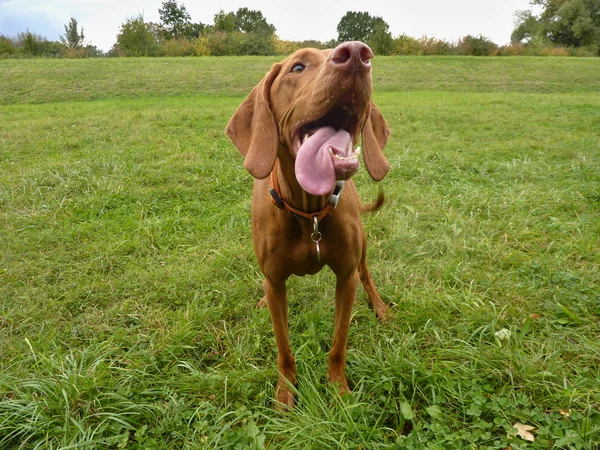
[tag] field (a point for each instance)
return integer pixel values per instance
(128, 284)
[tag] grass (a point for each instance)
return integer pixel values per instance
(128, 281)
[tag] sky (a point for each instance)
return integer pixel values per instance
(302, 20)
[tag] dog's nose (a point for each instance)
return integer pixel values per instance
(352, 55)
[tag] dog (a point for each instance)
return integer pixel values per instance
(298, 131)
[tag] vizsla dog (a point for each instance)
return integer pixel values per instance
(298, 131)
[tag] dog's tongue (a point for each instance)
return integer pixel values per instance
(314, 167)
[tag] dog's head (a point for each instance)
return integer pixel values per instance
(314, 105)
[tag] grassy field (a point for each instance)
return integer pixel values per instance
(128, 283)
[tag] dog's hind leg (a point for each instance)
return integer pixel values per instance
(366, 279)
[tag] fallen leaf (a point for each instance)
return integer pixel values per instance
(534, 316)
(564, 413)
(523, 431)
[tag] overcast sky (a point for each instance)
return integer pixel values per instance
(304, 19)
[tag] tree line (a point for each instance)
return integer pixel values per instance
(561, 27)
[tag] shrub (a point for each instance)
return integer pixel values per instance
(6, 46)
(256, 44)
(71, 52)
(282, 47)
(434, 46)
(311, 43)
(381, 42)
(476, 46)
(201, 47)
(514, 49)
(179, 47)
(135, 38)
(406, 45)
(555, 51)
(238, 43)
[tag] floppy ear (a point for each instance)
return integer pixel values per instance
(253, 130)
(375, 135)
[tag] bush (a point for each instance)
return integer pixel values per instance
(178, 47)
(238, 43)
(74, 52)
(554, 51)
(6, 46)
(476, 46)
(381, 42)
(281, 47)
(311, 43)
(201, 47)
(406, 45)
(514, 49)
(434, 46)
(135, 39)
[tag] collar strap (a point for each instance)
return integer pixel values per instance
(282, 204)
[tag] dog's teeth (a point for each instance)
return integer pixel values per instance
(331, 151)
(357, 151)
(306, 136)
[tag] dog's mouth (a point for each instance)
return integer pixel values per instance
(325, 148)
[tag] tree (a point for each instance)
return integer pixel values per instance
(252, 21)
(381, 41)
(175, 20)
(572, 23)
(359, 26)
(135, 39)
(225, 22)
(244, 20)
(30, 43)
(72, 38)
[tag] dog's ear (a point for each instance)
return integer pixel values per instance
(253, 130)
(375, 135)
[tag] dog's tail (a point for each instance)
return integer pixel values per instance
(372, 207)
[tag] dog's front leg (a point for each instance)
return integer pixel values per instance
(276, 298)
(345, 293)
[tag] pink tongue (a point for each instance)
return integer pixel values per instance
(314, 167)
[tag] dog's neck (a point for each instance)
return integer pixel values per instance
(291, 191)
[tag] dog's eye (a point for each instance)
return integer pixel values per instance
(298, 67)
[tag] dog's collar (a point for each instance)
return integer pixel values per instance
(282, 204)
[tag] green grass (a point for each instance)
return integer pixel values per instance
(128, 283)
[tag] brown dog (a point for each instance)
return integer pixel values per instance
(298, 131)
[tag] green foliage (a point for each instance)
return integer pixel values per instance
(407, 45)
(179, 47)
(31, 44)
(73, 38)
(224, 22)
(238, 43)
(381, 41)
(252, 21)
(176, 21)
(569, 23)
(476, 46)
(6, 46)
(243, 20)
(359, 26)
(135, 38)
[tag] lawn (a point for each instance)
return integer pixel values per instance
(128, 283)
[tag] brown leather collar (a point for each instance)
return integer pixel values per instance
(282, 204)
